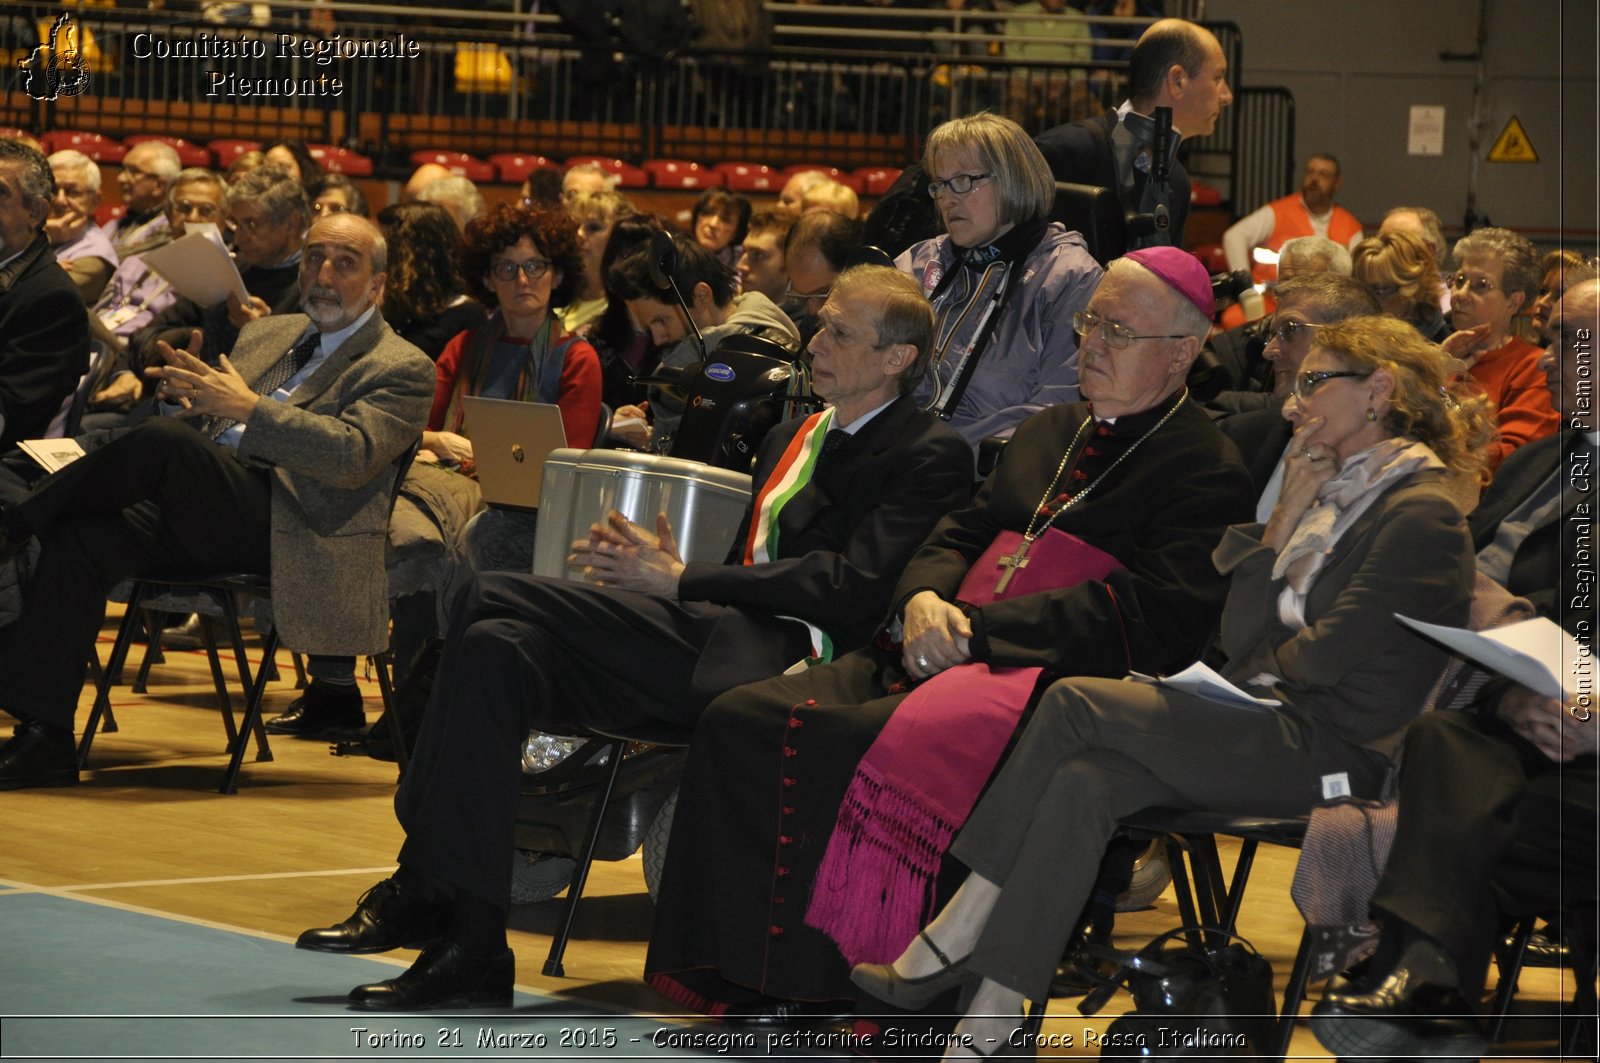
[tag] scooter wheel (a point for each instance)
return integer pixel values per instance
(537, 877)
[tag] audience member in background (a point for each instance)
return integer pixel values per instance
(791, 198)
(1306, 305)
(1398, 269)
(1178, 65)
(137, 293)
(268, 214)
(1365, 528)
(1423, 224)
(625, 349)
(1561, 270)
(457, 195)
(718, 223)
(293, 157)
(1004, 280)
(1235, 374)
(146, 175)
(1312, 212)
(425, 299)
(542, 188)
(594, 214)
(1049, 31)
(244, 163)
(832, 196)
(44, 332)
(1496, 804)
(421, 178)
(334, 193)
(83, 250)
(1496, 276)
(707, 286)
(586, 177)
(761, 265)
(817, 250)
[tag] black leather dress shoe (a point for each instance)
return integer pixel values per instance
(1545, 949)
(38, 755)
(388, 916)
(443, 976)
(1401, 1017)
(775, 1012)
(323, 711)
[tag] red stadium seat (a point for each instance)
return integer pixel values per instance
(1211, 256)
(335, 159)
(189, 153)
(749, 176)
(98, 147)
(877, 179)
(1204, 195)
(106, 213)
(514, 169)
(228, 151)
(628, 176)
(679, 173)
(457, 162)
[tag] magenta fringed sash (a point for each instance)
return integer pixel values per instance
(915, 787)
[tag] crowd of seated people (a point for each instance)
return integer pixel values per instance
(1271, 493)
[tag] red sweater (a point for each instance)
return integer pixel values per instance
(1513, 381)
(578, 396)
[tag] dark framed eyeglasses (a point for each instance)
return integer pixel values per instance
(958, 184)
(1115, 334)
(1307, 383)
(1286, 332)
(790, 293)
(1479, 285)
(506, 270)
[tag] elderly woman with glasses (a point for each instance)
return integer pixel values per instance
(1365, 528)
(1003, 279)
(1496, 273)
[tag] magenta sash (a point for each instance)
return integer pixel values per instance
(915, 787)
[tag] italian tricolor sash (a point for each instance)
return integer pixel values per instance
(792, 473)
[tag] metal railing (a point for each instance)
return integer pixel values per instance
(398, 79)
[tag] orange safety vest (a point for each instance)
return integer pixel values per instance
(1291, 220)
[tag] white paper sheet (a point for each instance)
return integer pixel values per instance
(1206, 682)
(199, 268)
(1536, 653)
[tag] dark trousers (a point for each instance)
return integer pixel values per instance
(528, 652)
(1487, 824)
(159, 498)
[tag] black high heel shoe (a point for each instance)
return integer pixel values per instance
(911, 994)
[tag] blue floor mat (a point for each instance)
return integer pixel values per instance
(80, 980)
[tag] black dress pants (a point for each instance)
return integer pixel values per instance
(159, 498)
(529, 652)
(1487, 824)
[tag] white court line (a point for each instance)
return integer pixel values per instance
(26, 887)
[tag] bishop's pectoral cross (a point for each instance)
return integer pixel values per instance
(1011, 562)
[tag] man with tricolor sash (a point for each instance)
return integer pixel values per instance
(844, 497)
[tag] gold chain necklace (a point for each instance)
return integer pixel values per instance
(1013, 561)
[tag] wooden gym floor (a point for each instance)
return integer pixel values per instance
(146, 832)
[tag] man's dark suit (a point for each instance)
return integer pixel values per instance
(1080, 152)
(44, 342)
(305, 496)
(524, 651)
(1487, 822)
(1261, 436)
(277, 286)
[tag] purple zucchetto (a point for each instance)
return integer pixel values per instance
(1183, 273)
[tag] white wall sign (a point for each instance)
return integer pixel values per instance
(1427, 131)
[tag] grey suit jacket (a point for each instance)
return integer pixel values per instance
(332, 449)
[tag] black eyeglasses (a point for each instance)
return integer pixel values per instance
(1307, 383)
(1116, 335)
(790, 293)
(958, 184)
(1290, 329)
(533, 269)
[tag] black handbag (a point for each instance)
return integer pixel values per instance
(1212, 1001)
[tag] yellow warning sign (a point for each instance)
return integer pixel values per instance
(1512, 145)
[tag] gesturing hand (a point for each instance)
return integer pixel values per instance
(619, 553)
(201, 389)
(937, 635)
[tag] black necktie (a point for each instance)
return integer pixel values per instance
(832, 443)
(278, 374)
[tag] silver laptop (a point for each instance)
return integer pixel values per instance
(510, 441)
